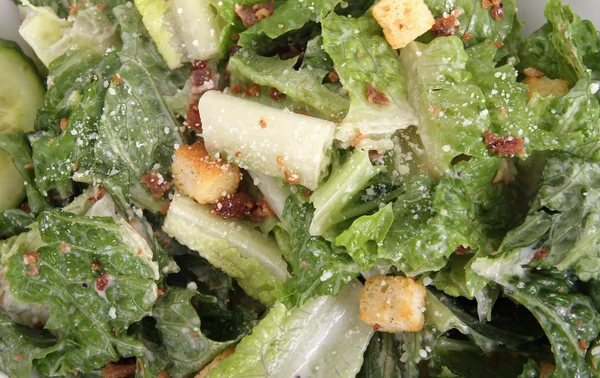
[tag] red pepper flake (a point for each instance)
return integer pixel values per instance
(358, 138)
(461, 250)
(19, 357)
(236, 89)
(304, 264)
(446, 25)
(307, 193)
(102, 6)
(25, 207)
(578, 324)
(30, 258)
(498, 44)
(291, 177)
(376, 327)
(253, 90)
(280, 163)
(156, 183)
(102, 282)
(238, 153)
(63, 123)
(261, 211)
(117, 79)
(160, 292)
(504, 146)
(333, 76)
(541, 253)
(376, 97)
(583, 345)
(64, 248)
(486, 4)
(467, 37)
(262, 122)
(139, 252)
(195, 334)
(275, 95)
(235, 207)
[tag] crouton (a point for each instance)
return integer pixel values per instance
(213, 364)
(199, 176)
(393, 304)
(403, 21)
(544, 86)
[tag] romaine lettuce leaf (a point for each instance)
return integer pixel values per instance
(451, 109)
(476, 21)
(14, 222)
(179, 326)
(363, 59)
(323, 338)
(237, 248)
(87, 306)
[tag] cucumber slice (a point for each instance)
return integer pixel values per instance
(21, 94)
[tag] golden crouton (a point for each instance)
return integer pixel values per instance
(393, 304)
(199, 176)
(542, 85)
(213, 364)
(403, 21)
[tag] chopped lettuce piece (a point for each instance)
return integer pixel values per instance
(477, 24)
(451, 109)
(237, 248)
(382, 357)
(365, 62)
(273, 141)
(183, 30)
(179, 326)
(273, 190)
(304, 85)
(51, 36)
(323, 338)
(318, 268)
(14, 222)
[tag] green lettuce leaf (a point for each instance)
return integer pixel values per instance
(323, 338)
(476, 20)
(451, 109)
(382, 357)
(86, 313)
(363, 58)
(304, 85)
(179, 326)
(240, 250)
(318, 268)
(14, 222)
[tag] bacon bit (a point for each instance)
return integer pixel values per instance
(102, 6)
(376, 327)
(117, 79)
(30, 258)
(504, 146)
(102, 282)
(253, 90)
(236, 89)
(583, 345)
(160, 292)
(498, 44)
(123, 370)
(498, 13)
(164, 208)
(445, 25)
(291, 177)
(96, 266)
(98, 197)
(28, 166)
(280, 163)
(358, 138)
(275, 95)
(532, 72)
(578, 324)
(25, 207)
(261, 211)
(34, 270)
(234, 49)
(541, 253)
(237, 206)
(461, 250)
(156, 183)
(467, 37)
(63, 123)
(73, 8)
(486, 4)
(307, 193)
(200, 76)
(64, 248)
(333, 76)
(252, 15)
(262, 122)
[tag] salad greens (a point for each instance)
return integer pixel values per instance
(311, 157)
